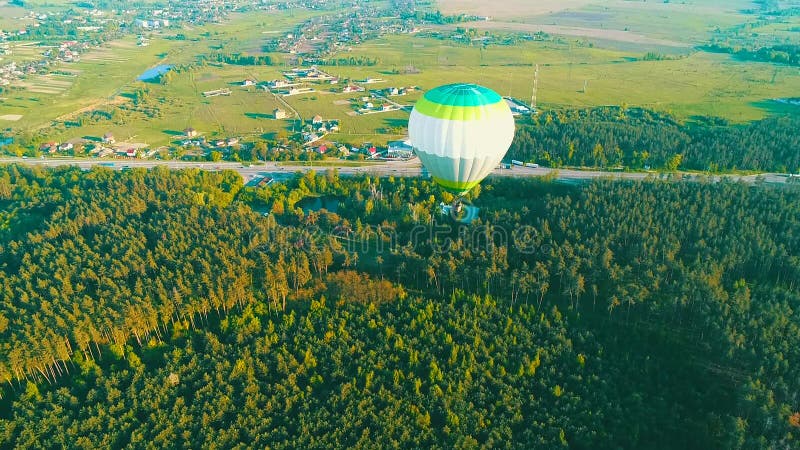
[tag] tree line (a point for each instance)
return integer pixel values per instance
(636, 138)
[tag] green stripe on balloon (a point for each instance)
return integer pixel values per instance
(460, 113)
(456, 187)
(462, 94)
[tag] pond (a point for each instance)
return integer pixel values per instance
(327, 202)
(154, 72)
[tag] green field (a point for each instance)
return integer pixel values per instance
(702, 83)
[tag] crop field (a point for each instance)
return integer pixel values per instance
(665, 23)
(22, 52)
(508, 9)
(47, 84)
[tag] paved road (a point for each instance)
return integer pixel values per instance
(411, 168)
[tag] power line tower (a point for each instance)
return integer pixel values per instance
(535, 89)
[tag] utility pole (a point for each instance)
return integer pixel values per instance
(535, 89)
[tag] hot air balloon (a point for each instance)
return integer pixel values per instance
(461, 133)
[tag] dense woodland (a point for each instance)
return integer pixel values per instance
(637, 138)
(165, 309)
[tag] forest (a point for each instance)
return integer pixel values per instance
(636, 138)
(148, 309)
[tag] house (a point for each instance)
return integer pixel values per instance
(322, 149)
(49, 147)
(369, 105)
(219, 143)
(317, 120)
(246, 83)
(394, 91)
(232, 141)
(67, 146)
(400, 149)
(352, 88)
(333, 126)
(344, 151)
(130, 153)
(279, 114)
(108, 138)
(279, 84)
(190, 132)
(386, 107)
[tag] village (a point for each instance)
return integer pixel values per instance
(63, 36)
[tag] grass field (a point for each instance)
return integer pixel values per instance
(702, 83)
(12, 17)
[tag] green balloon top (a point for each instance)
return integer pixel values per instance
(462, 94)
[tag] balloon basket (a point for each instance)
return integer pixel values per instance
(460, 211)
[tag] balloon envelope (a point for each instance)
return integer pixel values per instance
(461, 133)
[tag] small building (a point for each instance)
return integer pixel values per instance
(279, 114)
(317, 120)
(352, 88)
(232, 141)
(49, 147)
(108, 138)
(67, 146)
(279, 84)
(246, 83)
(190, 132)
(400, 149)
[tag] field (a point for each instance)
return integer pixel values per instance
(12, 17)
(508, 9)
(702, 83)
(98, 78)
(607, 68)
(671, 23)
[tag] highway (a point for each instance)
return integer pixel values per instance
(411, 168)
